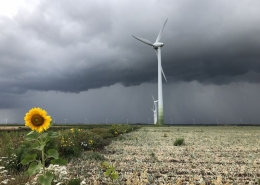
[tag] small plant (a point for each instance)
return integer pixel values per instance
(165, 135)
(109, 171)
(153, 156)
(179, 141)
(74, 182)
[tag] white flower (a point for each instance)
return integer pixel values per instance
(83, 182)
(5, 181)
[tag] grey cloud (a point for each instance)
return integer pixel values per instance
(74, 47)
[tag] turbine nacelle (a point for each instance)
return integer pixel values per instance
(156, 45)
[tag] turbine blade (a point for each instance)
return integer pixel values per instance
(161, 67)
(164, 75)
(156, 52)
(144, 41)
(160, 33)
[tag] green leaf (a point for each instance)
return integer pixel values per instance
(107, 173)
(59, 161)
(46, 180)
(43, 136)
(114, 175)
(31, 136)
(112, 168)
(53, 134)
(28, 158)
(38, 146)
(33, 168)
(52, 153)
(30, 132)
(105, 165)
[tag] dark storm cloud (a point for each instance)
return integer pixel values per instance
(76, 46)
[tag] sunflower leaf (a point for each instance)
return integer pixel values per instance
(30, 133)
(31, 136)
(59, 161)
(33, 168)
(28, 159)
(43, 136)
(52, 153)
(46, 180)
(53, 134)
(38, 146)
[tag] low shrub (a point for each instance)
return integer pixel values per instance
(103, 132)
(109, 171)
(74, 182)
(179, 141)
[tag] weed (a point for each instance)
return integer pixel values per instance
(109, 171)
(74, 182)
(179, 141)
(153, 156)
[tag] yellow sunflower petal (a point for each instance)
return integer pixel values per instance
(37, 119)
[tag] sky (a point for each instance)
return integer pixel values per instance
(79, 61)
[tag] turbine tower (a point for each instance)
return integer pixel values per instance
(154, 109)
(154, 114)
(157, 46)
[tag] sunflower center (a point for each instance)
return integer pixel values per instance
(37, 120)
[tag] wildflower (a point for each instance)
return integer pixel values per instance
(90, 142)
(5, 181)
(83, 182)
(84, 144)
(37, 119)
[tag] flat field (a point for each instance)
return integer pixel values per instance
(210, 155)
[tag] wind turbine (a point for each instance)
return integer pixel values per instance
(154, 114)
(154, 109)
(157, 46)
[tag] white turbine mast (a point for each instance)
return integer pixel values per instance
(157, 46)
(154, 114)
(154, 110)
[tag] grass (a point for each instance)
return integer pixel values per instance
(179, 142)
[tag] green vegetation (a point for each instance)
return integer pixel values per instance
(179, 141)
(74, 182)
(70, 143)
(109, 171)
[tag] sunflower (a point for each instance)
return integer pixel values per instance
(37, 119)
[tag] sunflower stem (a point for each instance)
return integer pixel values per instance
(43, 160)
